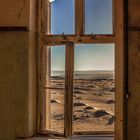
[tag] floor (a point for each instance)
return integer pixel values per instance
(74, 138)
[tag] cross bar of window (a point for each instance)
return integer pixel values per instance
(86, 39)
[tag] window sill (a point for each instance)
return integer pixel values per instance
(73, 138)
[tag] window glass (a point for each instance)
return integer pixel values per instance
(98, 17)
(55, 107)
(62, 17)
(55, 89)
(94, 88)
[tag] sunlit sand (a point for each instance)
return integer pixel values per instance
(93, 107)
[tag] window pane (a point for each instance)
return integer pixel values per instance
(56, 73)
(55, 110)
(62, 17)
(98, 17)
(94, 88)
(58, 66)
(55, 81)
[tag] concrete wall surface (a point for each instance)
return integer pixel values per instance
(13, 84)
(17, 85)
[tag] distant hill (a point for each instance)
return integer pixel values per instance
(91, 74)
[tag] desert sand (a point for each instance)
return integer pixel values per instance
(93, 107)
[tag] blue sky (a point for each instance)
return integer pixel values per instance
(98, 20)
(87, 57)
(62, 17)
(98, 16)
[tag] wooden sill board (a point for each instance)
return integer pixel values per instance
(73, 138)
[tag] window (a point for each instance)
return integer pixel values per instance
(78, 68)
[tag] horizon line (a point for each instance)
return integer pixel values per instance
(85, 70)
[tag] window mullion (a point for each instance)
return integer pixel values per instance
(48, 17)
(79, 17)
(69, 89)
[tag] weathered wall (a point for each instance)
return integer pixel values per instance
(18, 62)
(14, 12)
(13, 84)
(133, 106)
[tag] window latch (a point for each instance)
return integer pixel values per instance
(93, 36)
(63, 36)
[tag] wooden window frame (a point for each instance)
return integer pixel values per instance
(118, 37)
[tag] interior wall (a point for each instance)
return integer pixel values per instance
(18, 62)
(14, 12)
(133, 106)
(13, 84)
